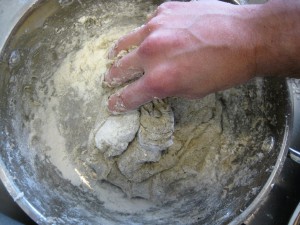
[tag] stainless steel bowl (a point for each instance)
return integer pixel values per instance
(48, 199)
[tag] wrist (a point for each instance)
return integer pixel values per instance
(276, 30)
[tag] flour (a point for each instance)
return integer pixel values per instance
(84, 69)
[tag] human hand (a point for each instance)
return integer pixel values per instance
(187, 49)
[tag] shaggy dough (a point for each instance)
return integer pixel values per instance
(157, 126)
(133, 159)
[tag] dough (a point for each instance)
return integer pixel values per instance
(133, 159)
(155, 129)
(157, 126)
(116, 132)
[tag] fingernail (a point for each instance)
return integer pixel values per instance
(116, 104)
(105, 84)
(110, 82)
(112, 51)
(109, 63)
(111, 54)
(115, 82)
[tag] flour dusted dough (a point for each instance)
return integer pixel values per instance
(116, 133)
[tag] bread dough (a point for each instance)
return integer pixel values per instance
(157, 126)
(133, 159)
(116, 132)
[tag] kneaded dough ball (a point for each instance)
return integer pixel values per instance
(116, 132)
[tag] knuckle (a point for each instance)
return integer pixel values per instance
(149, 46)
(161, 8)
(161, 84)
(160, 42)
(154, 86)
(153, 24)
(166, 6)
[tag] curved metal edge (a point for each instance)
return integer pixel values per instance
(295, 143)
(12, 24)
(19, 196)
(28, 208)
(294, 151)
(294, 155)
(246, 216)
(7, 180)
(295, 219)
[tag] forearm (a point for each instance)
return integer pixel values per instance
(277, 27)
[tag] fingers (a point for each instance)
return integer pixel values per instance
(135, 38)
(129, 98)
(125, 69)
(150, 86)
(131, 66)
